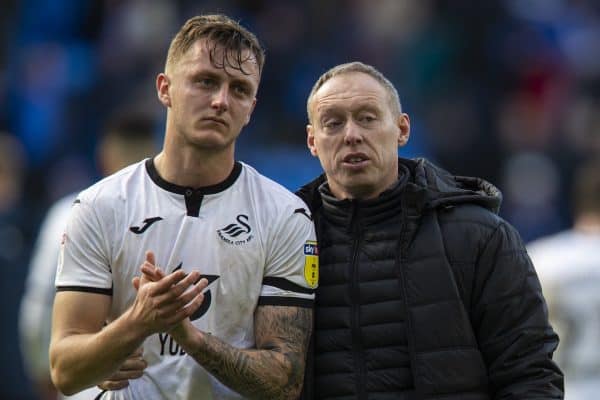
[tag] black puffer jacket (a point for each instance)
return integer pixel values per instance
(476, 321)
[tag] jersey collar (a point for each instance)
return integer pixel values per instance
(212, 189)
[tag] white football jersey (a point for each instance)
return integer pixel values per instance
(251, 238)
(568, 266)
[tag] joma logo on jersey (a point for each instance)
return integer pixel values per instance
(237, 233)
(147, 222)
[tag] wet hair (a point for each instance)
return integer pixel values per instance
(221, 33)
(356, 66)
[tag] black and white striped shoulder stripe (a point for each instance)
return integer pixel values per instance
(300, 296)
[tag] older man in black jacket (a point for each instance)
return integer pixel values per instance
(425, 293)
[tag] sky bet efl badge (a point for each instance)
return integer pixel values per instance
(311, 263)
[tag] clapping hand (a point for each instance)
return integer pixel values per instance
(163, 301)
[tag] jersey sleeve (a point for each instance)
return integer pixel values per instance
(292, 270)
(83, 263)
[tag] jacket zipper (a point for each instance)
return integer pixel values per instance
(357, 344)
(404, 291)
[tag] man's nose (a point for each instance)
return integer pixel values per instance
(352, 133)
(220, 100)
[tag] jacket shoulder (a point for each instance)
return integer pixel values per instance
(470, 216)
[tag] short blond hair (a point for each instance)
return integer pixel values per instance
(356, 66)
(222, 33)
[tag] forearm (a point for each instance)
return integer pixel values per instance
(266, 373)
(81, 360)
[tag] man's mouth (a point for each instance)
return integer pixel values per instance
(355, 158)
(216, 119)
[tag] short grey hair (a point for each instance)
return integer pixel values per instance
(356, 66)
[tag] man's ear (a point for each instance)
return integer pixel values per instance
(310, 140)
(404, 127)
(162, 89)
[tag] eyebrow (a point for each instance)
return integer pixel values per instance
(333, 108)
(215, 75)
(242, 81)
(205, 73)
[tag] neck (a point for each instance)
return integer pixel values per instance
(357, 193)
(194, 167)
(366, 192)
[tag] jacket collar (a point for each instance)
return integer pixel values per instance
(349, 212)
(428, 186)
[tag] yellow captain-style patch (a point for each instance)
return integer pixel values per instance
(311, 263)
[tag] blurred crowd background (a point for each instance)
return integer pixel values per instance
(508, 90)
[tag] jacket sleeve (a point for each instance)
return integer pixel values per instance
(510, 320)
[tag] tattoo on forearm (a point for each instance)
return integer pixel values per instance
(275, 369)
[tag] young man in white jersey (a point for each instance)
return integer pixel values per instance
(241, 330)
